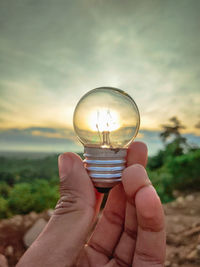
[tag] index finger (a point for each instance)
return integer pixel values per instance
(137, 154)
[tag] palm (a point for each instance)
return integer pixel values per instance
(130, 230)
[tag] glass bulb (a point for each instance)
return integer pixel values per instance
(106, 120)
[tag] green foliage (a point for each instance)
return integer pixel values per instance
(37, 196)
(177, 172)
(162, 181)
(44, 195)
(176, 167)
(176, 148)
(185, 170)
(156, 161)
(28, 185)
(21, 200)
(4, 210)
(14, 170)
(4, 189)
(8, 177)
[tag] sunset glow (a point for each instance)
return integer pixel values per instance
(48, 60)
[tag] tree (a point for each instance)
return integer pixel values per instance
(179, 144)
(172, 129)
(197, 125)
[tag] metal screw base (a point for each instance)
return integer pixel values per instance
(105, 166)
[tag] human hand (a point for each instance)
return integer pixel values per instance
(130, 231)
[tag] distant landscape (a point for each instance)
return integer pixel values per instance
(25, 155)
(30, 182)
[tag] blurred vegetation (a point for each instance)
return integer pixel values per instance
(32, 184)
(176, 167)
(27, 185)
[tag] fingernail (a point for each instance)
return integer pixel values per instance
(65, 164)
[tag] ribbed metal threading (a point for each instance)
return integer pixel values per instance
(104, 162)
(105, 165)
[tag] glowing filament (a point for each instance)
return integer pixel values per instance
(104, 120)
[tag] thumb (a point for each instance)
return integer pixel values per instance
(76, 189)
(64, 236)
(74, 212)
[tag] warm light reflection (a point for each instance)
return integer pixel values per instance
(104, 120)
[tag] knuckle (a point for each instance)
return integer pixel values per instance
(139, 166)
(152, 226)
(131, 233)
(68, 202)
(143, 256)
(152, 223)
(113, 217)
(99, 248)
(120, 262)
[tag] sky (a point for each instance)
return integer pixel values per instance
(53, 52)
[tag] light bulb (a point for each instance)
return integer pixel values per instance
(106, 120)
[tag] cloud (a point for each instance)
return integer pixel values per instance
(47, 139)
(38, 139)
(52, 53)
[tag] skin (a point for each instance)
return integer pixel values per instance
(130, 231)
